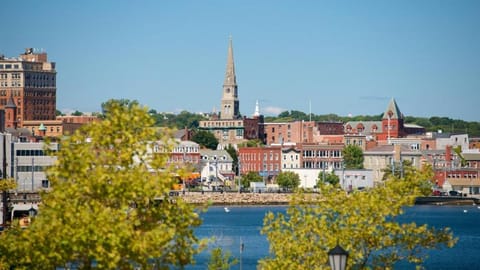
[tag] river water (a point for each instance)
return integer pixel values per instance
(242, 224)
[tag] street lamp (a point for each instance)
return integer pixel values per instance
(239, 176)
(337, 257)
(32, 212)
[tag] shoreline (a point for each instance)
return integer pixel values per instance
(234, 198)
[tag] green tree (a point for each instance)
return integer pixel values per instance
(363, 223)
(353, 157)
(220, 260)
(250, 177)
(77, 113)
(289, 180)
(205, 139)
(187, 119)
(251, 143)
(233, 153)
(109, 202)
(458, 152)
(330, 178)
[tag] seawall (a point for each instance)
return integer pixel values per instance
(234, 198)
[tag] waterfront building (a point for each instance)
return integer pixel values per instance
(321, 156)
(264, 160)
(291, 158)
(464, 180)
(30, 81)
(216, 167)
(229, 126)
(351, 179)
(185, 152)
(382, 156)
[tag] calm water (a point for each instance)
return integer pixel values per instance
(244, 224)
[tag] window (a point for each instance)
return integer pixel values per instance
(45, 184)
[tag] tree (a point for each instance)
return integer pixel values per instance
(250, 177)
(205, 139)
(220, 260)
(77, 113)
(330, 178)
(233, 153)
(458, 152)
(288, 180)
(353, 157)
(363, 223)
(251, 143)
(109, 203)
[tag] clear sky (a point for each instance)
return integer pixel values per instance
(342, 57)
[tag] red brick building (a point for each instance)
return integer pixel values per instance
(264, 160)
(30, 82)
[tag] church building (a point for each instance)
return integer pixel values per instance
(228, 125)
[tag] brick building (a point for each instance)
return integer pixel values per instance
(264, 160)
(290, 132)
(30, 81)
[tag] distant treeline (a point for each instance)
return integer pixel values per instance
(434, 123)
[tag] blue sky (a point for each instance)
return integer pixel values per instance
(343, 57)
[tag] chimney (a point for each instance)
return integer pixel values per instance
(397, 152)
(448, 155)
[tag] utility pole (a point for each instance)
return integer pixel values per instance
(4, 177)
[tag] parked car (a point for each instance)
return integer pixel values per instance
(454, 193)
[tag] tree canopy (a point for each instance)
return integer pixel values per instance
(353, 157)
(109, 203)
(288, 180)
(206, 139)
(250, 177)
(363, 222)
(330, 178)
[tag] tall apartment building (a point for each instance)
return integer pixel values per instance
(30, 82)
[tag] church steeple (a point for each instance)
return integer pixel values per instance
(230, 103)
(230, 78)
(257, 110)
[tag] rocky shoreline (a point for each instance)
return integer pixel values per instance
(233, 198)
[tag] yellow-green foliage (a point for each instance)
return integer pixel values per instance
(102, 209)
(363, 223)
(7, 184)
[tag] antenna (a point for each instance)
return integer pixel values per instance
(310, 109)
